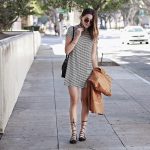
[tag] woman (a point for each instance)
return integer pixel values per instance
(82, 59)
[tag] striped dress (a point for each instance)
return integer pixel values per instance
(80, 61)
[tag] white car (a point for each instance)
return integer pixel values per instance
(133, 35)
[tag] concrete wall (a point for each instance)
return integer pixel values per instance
(16, 56)
(36, 41)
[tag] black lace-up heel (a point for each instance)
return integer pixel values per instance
(73, 139)
(82, 136)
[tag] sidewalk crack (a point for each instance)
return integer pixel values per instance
(115, 132)
(55, 103)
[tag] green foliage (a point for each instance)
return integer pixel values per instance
(114, 5)
(95, 4)
(100, 5)
(11, 10)
(37, 6)
(56, 3)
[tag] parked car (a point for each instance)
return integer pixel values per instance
(133, 35)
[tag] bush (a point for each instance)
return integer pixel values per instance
(11, 10)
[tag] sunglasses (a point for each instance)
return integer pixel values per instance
(87, 20)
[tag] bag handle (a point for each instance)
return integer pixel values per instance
(72, 34)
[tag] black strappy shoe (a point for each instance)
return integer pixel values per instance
(73, 139)
(82, 136)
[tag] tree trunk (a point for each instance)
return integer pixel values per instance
(124, 20)
(101, 22)
(105, 23)
(109, 20)
(115, 20)
(131, 15)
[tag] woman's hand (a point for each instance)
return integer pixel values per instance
(78, 34)
(79, 31)
(69, 46)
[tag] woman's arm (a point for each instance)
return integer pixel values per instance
(69, 45)
(94, 55)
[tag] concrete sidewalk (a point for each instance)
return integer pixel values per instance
(40, 120)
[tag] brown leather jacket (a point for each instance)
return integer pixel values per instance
(97, 84)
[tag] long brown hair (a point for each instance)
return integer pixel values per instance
(93, 29)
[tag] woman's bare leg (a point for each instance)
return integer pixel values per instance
(85, 110)
(74, 96)
(84, 114)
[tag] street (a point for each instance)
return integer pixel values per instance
(134, 57)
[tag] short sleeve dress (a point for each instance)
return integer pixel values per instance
(80, 60)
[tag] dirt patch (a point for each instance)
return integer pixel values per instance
(108, 63)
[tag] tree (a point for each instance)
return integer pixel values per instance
(52, 10)
(95, 4)
(132, 9)
(104, 8)
(110, 11)
(56, 4)
(11, 10)
(147, 3)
